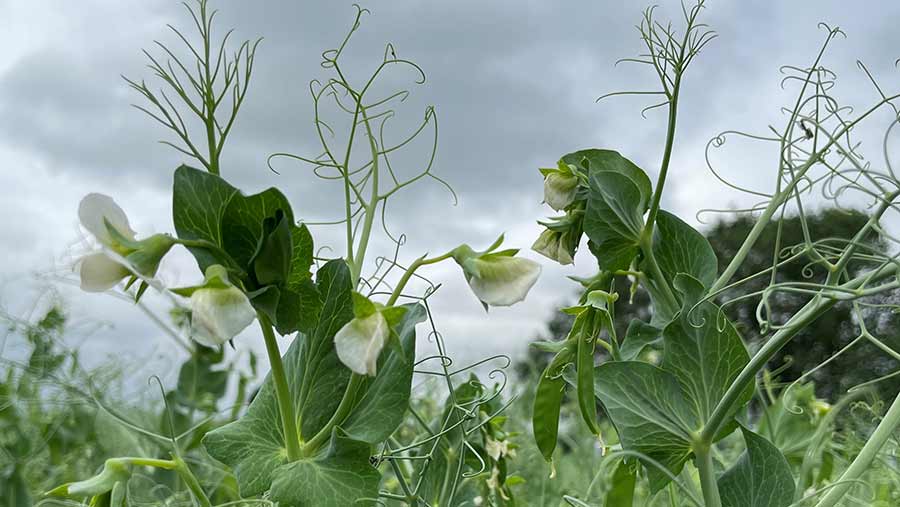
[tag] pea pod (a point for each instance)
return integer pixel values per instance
(584, 333)
(547, 399)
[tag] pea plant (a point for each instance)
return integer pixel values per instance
(673, 387)
(323, 428)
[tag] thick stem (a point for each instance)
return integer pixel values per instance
(282, 391)
(341, 413)
(667, 156)
(703, 460)
(866, 456)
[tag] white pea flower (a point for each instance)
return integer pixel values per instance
(122, 255)
(560, 186)
(497, 278)
(360, 341)
(497, 449)
(554, 246)
(219, 310)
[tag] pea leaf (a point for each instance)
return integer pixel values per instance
(639, 336)
(761, 477)
(243, 222)
(302, 256)
(679, 248)
(342, 476)
(253, 446)
(703, 350)
(199, 200)
(381, 409)
(650, 413)
(618, 197)
(622, 492)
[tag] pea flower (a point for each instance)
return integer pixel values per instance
(359, 342)
(122, 255)
(560, 186)
(115, 472)
(554, 245)
(219, 310)
(497, 278)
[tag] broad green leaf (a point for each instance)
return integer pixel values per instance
(272, 261)
(621, 494)
(253, 446)
(341, 477)
(679, 248)
(302, 257)
(383, 406)
(298, 307)
(547, 399)
(199, 200)
(639, 336)
(650, 413)
(760, 478)
(242, 222)
(325, 377)
(703, 350)
(618, 197)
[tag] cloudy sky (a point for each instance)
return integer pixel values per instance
(513, 83)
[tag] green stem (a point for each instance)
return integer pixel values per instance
(282, 391)
(164, 464)
(866, 456)
(703, 460)
(190, 480)
(667, 157)
(341, 413)
(407, 275)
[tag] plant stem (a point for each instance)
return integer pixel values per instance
(703, 460)
(282, 391)
(407, 275)
(667, 156)
(341, 413)
(190, 480)
(864, 459)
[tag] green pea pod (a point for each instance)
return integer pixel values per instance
(585, 334)
(547, 399)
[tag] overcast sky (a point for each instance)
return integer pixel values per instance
(513, 83)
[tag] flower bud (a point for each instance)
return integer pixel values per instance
(560, 186)
(360, 341)
(554, 246)
(115, 470)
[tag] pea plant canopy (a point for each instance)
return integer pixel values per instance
(672, 407)
(329, 426)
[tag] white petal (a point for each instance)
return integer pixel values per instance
(359, 343)
(218, 315)
(99, 272)
(560, 190)
(92, 211)
(504, 281)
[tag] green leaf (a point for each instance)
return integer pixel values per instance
(650, 413)
(302, 256)
(341, 477)
(199, 200)
(253, 446)
(679, 248)
(298, 308)
(622, 492)
(382, 407)
(242, 222)
(272, 261)
(639, 336)
(703, 350)
(760, 478)
(618, 197)
(547, 400)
